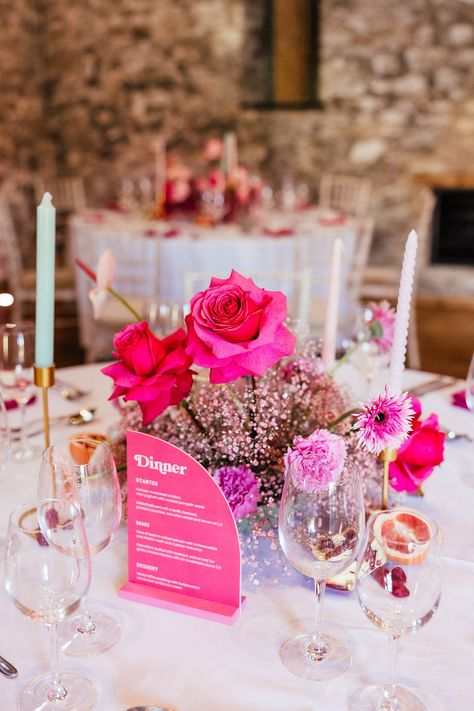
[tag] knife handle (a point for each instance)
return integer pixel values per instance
(7, 669)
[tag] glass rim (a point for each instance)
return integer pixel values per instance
(45, 456)
(34, 505)
(348, 470)
(435, 530)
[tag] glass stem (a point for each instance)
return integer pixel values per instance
(317, 649)
(86, 623)
(24, 442)
(56, 692)
(389, 700)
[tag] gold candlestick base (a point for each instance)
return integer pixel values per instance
(387, 456)
(44, 379)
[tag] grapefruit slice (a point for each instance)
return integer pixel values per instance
(83, 451)
(405, 535)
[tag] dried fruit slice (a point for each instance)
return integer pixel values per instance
(405, 535)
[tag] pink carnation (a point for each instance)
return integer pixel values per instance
(316, 460)
(241, 488)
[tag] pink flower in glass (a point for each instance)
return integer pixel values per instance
(316, 460)
(382, 325)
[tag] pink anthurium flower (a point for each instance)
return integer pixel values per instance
(106, 270)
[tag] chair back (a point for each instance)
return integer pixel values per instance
(10, 256)
(348, 194)
(68, 192)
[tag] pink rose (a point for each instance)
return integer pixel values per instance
(316, 460)
(235, 328)
(419, 454)
(151, 371)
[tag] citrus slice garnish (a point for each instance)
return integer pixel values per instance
(405, 535)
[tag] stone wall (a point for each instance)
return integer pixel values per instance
(91, 82)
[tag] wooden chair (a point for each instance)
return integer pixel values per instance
(68, 192)
(346, 194)
(22, 282)
(380, 282)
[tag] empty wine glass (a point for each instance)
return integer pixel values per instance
(470, 385)
(17, 354)
(47, 573)
(320, 529)
(165, 316)
(83, 470)
(398, 584)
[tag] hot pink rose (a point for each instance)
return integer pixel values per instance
(419, 454)
(151, 371)
(236, 328)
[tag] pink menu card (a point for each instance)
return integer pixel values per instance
(183, 544)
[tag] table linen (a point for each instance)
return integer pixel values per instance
(192, 664)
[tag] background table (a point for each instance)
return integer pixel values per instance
(196, 665)
(153, 267)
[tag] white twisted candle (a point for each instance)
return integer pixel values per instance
(397, 361)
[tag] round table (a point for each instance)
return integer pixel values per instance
(191, 664)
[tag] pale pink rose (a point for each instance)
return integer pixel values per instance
(236, 328)
(106, 270)
(213, 149)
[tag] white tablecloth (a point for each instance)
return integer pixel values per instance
(153, 267)
(192, 664)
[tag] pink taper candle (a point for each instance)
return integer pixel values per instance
(328, 353)
(397, 361)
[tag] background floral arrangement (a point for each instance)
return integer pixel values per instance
(229, 191)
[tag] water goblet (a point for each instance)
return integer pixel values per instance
(470, 386)
(17, 353)
(83, 471)
(47, 574)
(5, 438)
(320, 529)
(398, 583)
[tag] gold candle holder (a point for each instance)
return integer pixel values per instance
(44, 379)
(387, 456)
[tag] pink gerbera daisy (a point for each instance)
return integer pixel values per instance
(381, 325)
(385, 422)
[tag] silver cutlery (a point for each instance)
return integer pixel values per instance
(452, 436)
(149, 708)
(7, 669)
(69, 391)
(438, 383)
(83, 417)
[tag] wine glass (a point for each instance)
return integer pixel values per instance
(398, 583)
(320, 531)
(17, 351)
(470, 386)
(5, 438)
(83, 470)
(47, 573)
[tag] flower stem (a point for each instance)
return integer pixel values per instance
(346, 356)
(123, 301)
(188, 408)
(341, 418)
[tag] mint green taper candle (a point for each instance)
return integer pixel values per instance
(45, 258)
